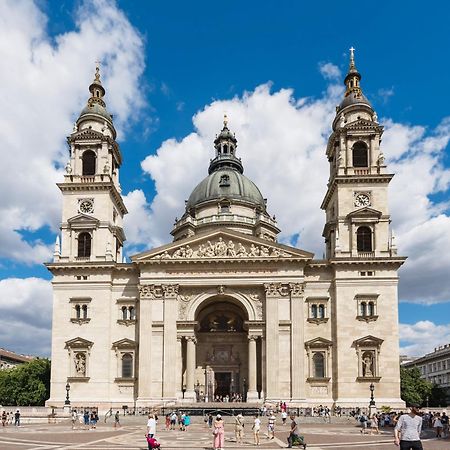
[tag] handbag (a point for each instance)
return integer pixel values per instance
(215, 432)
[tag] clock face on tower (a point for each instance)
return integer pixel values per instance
(362, 200)
(86, 206)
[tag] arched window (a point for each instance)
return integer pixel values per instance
(132, 313)
(314, 311)
(364, 239)
(124, 313)
(319, 365)
(78, 311)
(84, 244)
(127, 365)
(360, 155)
(84, 309)
(371, 309)
(89, 163)
(321, 311)
(225, 149)
(363, 309)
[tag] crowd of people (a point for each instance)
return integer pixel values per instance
(10, 417)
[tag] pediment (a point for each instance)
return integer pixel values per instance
(222, 244)
(365, 213)
(368, 341)
(318, 342)
(124, 344)
(363, 124)
(79, 342)
(87, 134)
(82, 219)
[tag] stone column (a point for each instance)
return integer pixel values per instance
(190, 368)
(252, 393)
(146, 295)
(297, 342)
(273, 292)
(170, 340)
(179, 368)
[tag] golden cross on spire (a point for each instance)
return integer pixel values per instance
(352, 56)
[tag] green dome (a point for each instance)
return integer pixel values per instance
(97, 109)
(218, 186)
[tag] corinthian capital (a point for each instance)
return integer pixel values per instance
(276, 290)
(170, 290)
(297, 289)
(150, 291)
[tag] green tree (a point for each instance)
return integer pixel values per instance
(26, 384)
(414, 389)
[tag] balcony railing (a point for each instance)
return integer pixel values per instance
(366, 255)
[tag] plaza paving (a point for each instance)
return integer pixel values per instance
(131, 436)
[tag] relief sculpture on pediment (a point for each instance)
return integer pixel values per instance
(222, 249)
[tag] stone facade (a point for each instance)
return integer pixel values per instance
(225, 309)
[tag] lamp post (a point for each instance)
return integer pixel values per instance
(67, 402)
(372, 407)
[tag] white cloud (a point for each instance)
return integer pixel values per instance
(26, 315)
(39, 74)
(422, 337)
(330, 71)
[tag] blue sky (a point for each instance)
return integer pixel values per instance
(171, 69)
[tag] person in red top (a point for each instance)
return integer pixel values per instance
(152, 442)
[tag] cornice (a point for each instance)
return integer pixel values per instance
(354, 179)
(394, 260)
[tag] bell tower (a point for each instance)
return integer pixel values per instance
(93, 208)
(356, 202)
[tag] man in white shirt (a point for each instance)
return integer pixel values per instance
(408, 429)
(151, 425)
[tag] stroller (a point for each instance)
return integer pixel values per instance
(152, 443)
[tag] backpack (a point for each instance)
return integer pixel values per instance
(362, 419)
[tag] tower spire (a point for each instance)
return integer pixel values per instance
(225, 145)
(96, 89)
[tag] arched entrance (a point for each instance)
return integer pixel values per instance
(222, 349)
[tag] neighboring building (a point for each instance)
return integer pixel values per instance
(434, 367)
(225, 308)
(8, 359)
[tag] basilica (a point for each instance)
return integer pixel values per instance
(224, 310)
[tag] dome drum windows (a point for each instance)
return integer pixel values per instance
(317, 309)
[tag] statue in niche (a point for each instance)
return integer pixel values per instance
(80, 364)
(368, 365)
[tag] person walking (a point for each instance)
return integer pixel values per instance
(187, 421)
(271, 426)
(374, 424)
(437, 424)
(117, 420)
(239, 428)
(173, 420)
(294, 437)
(407, 430)
(17, 418)
(74, 418)
(444, 420)
(4, 418)
(151, 425)
(218, 433)
(256, 429)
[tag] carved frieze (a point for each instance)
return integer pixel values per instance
(222, 249)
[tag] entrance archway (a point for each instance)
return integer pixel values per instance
(222, 349)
